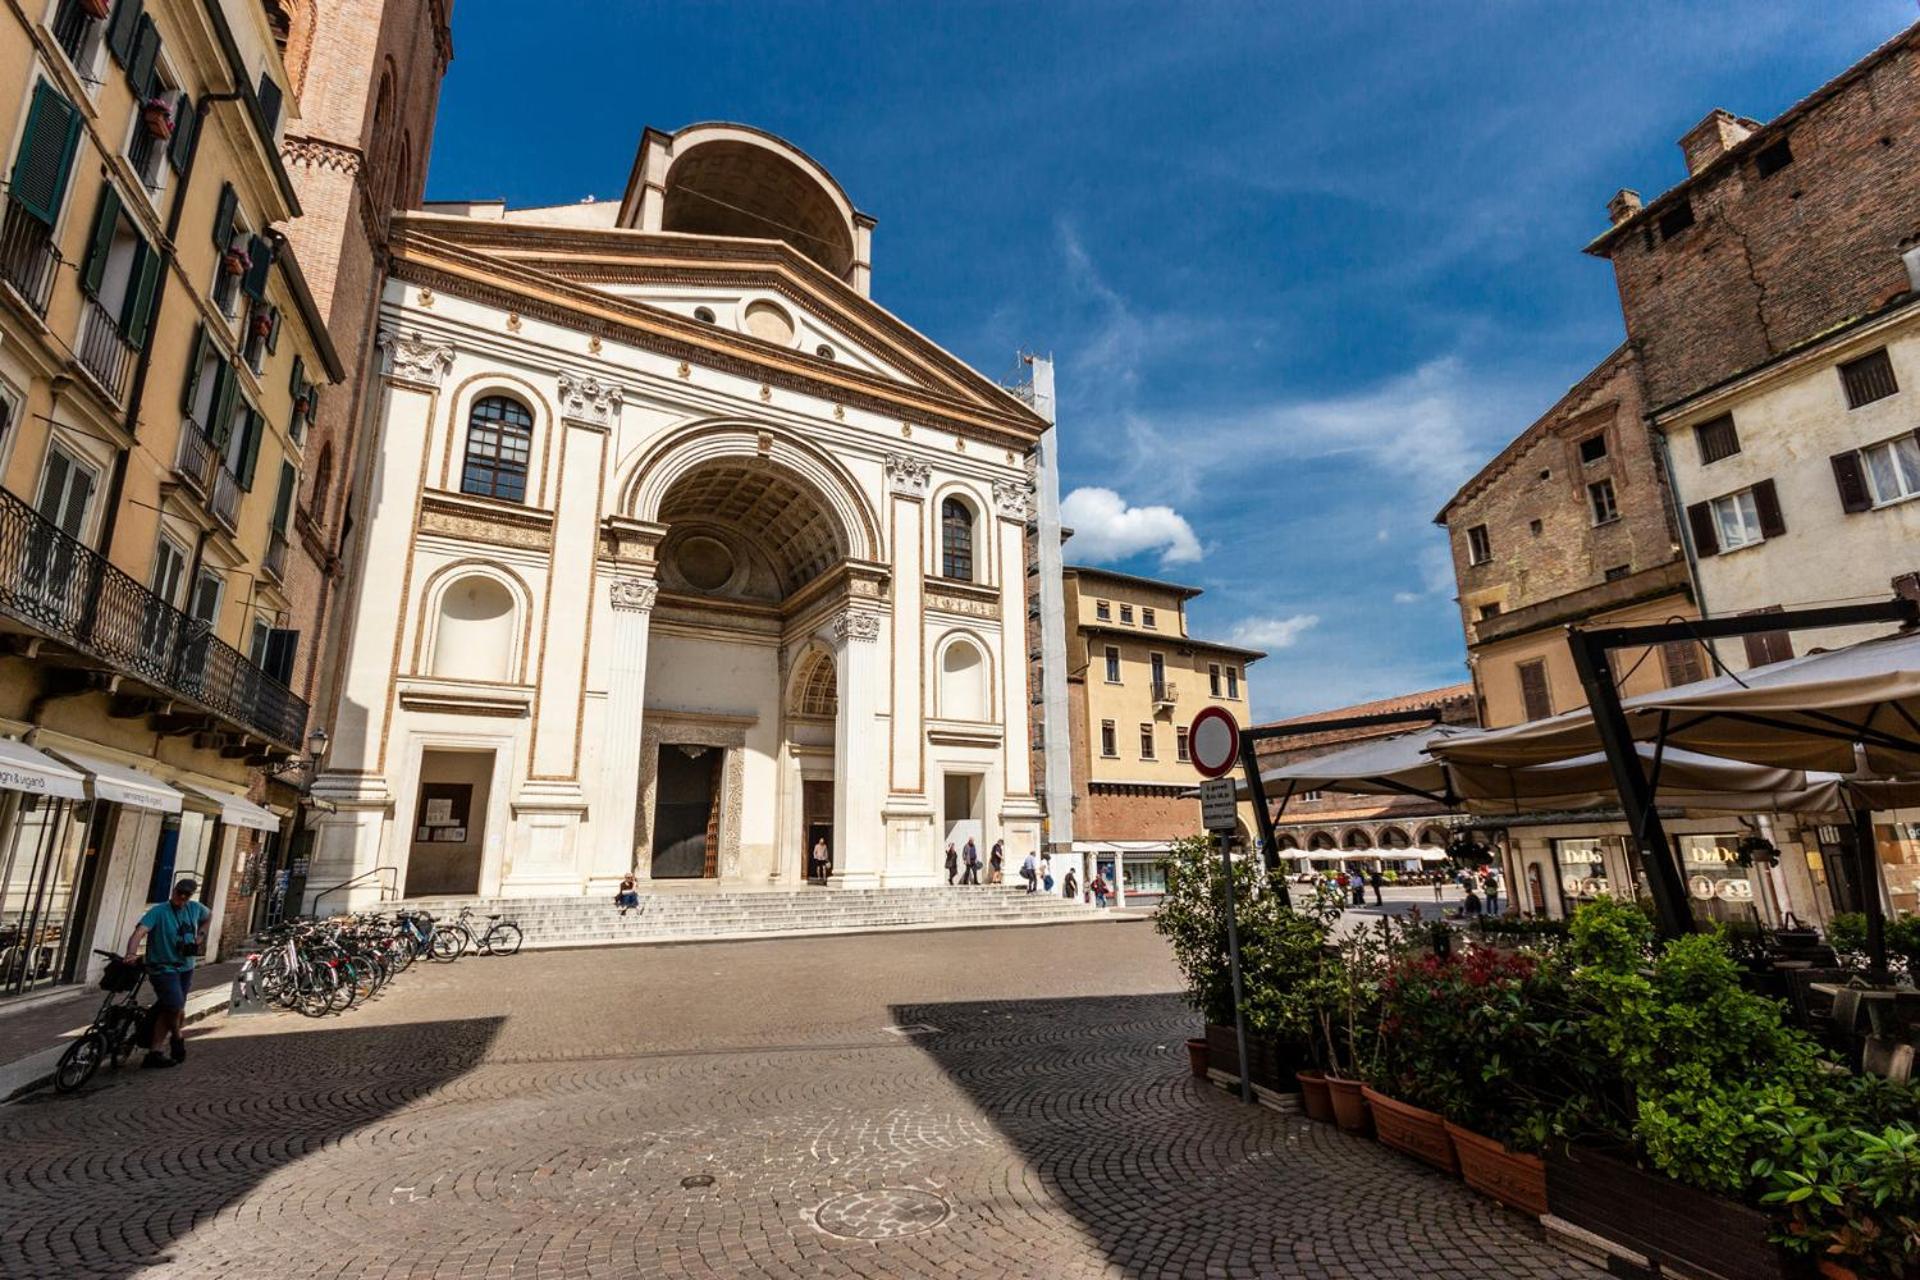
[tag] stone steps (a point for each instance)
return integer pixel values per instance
(698, 913)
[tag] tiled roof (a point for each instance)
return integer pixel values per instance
(1455, 702)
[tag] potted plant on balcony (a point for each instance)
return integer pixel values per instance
(97, 9)
(234, 261)
(262, 323)
(157, 114)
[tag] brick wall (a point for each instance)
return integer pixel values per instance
(1135, 813)
(1534, 502)
(1768, 262)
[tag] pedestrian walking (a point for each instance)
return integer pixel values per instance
(822, 859)
(1070, 888)
(1493, 894)
(175, 934)
(953, 862)
(1439, 889)
(1030, 872)
(996, 862)
(628, 897)
(1379, 882)
(1359, 889)
(1470, 906)
(1099, 889)
(1046, 872)
(970, 857)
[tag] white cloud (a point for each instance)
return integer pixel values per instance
(1406, 597)
(1274, 633)
(1105, 529)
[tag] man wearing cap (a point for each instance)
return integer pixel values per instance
(175, 932)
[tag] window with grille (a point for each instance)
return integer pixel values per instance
(1717, 439)
(1479, 545)
(1601, 501)
(1868, 379)
(499, 445)
(1535, 696)
(1109, 746)
(956, 540)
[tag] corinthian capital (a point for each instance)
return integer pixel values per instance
(414, 357)
(632, 594)
(856, 624)
(908, 477)
(584, 398)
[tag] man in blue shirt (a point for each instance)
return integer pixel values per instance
(175, 932)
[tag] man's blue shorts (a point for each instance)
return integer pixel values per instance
(170, 989)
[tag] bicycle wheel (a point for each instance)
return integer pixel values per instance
(503, 939)
(80, 1061)
(448, 942)
(315, 992)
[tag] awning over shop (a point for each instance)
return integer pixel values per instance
(36, 773)
(1805, 713)
(122, 784)
(235, 811)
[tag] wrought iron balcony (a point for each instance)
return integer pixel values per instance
(1165, 694)
(225, 498)
(67, 592)
(72, 26)
(103, 352)
(194, 460)
(28, 258)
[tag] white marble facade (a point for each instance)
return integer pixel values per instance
(650, 573)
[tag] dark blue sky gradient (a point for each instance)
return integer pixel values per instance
(1303, 266)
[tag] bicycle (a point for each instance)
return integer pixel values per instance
(502, 937)
(118, 1027)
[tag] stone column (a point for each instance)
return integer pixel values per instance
(359, 778)
(1019, 809)
(631, 599)
(859, 760)
(908, 815)
(551, 804)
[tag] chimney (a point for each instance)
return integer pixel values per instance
(1625, 203)
(1713, 137)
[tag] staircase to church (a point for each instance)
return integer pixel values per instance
(697, 913)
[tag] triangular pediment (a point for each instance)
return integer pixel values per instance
(767, 304)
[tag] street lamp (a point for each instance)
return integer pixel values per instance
(316, 751)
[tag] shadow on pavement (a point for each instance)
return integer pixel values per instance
(105, 1182)
(1172, 1176)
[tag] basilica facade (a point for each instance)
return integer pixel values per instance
(680, 557)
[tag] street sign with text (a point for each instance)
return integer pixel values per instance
(1217, 808)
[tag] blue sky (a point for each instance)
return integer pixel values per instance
(1303, 266)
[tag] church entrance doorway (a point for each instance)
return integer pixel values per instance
(449, 823)
(686, 812)
(816, 799)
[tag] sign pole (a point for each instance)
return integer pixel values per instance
(1214, 743)
(1233, 964)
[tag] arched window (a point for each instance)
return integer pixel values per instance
(499, 442)
(475, 633)
(1320, 840)
(1285, 842)
(322, 483)
(817, 693)
(1358, 839)
(963, 682)
(956, 540)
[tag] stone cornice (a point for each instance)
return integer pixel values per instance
(575, 258)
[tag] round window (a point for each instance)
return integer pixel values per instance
(703, 314)
(769, 323)
(824, 351)
(705, 563)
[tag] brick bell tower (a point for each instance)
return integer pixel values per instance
(366, 77)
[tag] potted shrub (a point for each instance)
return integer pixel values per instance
(157, 115)
(262, 323)
(1355, 971)
(234, 262)
(1413, 1072)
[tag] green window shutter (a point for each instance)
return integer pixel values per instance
(283, 504)
(146, 49)
(224, 215)
(40, 171)
(143, 295)
(273, 333)
(298, 377)
(220, 430)
(106, 220)
(255, 427)
(185, 122)
(121, 27)
(190, 388)
(259, 262)
(313, 402)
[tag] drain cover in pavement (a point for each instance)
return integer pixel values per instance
(882, 1214)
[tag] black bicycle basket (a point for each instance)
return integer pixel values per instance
(120, 976)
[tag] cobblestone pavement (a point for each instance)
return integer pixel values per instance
(990, 1103)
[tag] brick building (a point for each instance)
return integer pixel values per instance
(1332, 822)
(1570, 522)
(1136, 678)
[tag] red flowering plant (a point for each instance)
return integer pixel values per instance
(1481, 1036)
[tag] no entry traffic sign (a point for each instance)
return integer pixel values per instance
(1213, 741)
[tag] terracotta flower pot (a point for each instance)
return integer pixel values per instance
(97, 9)
(1349, 1106)
(1516, 1180)
(234, 263)
(1315, 1097)
(1835, 1271)
(262, 324)
(1197, 1058)
(1419, 1133)
(158, 119)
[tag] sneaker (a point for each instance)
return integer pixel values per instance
(177, 1049)
(155, 1058)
